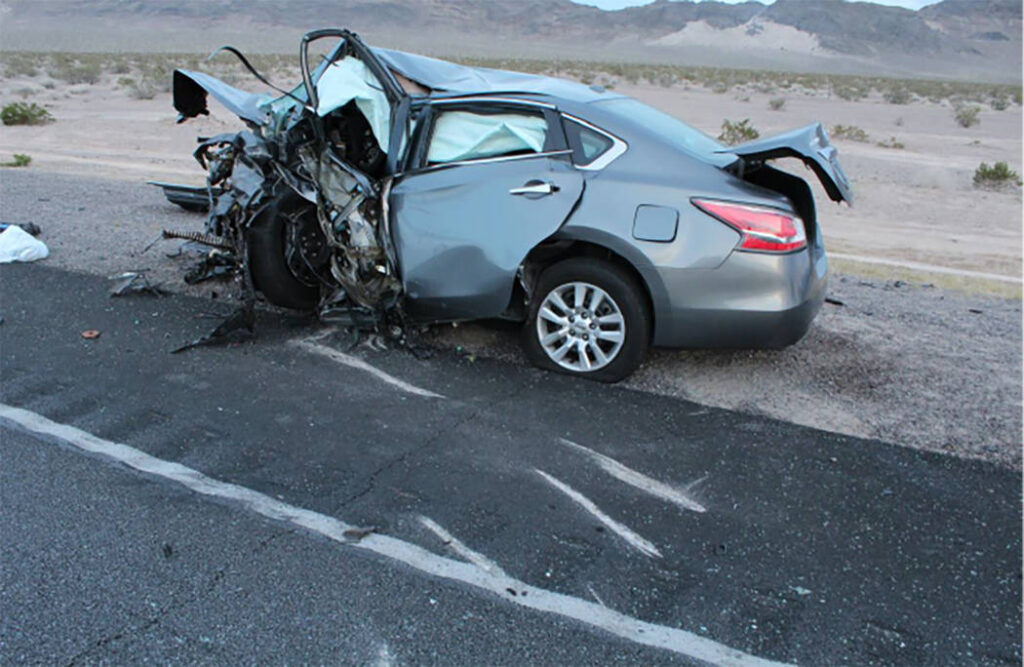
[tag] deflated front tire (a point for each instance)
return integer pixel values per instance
(268, 260)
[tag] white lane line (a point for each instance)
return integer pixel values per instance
(638, 479)
(596, 596)
(384, 656)
(476, 558)
(530, 597)
(357, 363)
(619, 529)
(928, 268)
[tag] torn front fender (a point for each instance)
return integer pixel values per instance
(809, 144)
(190, 94)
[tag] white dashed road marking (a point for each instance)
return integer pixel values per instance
(530, 597)
(619, 529)
(478, 559)
(357, 363)
(637, 479)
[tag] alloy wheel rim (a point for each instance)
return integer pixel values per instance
(580, 327)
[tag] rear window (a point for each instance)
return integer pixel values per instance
(669, 129)
(592, 144)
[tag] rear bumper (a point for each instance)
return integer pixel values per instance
(752, 300)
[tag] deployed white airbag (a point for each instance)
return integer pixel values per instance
(350, 79)
(462, 135)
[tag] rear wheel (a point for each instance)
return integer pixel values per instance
(589, 318)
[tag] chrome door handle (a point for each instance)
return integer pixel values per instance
(535, 188)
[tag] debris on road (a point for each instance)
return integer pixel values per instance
(192, 198)
(30, 227)
(356, 534)
(243, 319)
(18, 245)
(135, 282)
(197, 237)
(215, 264)
(90, 334)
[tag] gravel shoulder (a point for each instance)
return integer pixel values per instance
(909, 363)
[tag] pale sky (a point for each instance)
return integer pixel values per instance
(619, 4)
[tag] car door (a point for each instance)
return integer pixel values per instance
(487, 181)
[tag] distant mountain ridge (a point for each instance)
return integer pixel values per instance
(964, 32)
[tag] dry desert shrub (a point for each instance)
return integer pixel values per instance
(891, 142)
(849, 132)
(897, 95)
(75, 69)
(966, 115)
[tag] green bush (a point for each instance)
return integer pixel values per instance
(734, 132)
(19, 160)
(24, 113)
(966, 115)
(850, 132)
(777, 103)
(995, 177)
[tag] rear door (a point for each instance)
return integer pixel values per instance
(487, 181)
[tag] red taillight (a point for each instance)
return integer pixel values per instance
(761, 228)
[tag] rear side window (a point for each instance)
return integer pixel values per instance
(588, 145)
(466, 135)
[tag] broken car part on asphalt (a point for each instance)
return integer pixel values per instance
(134, 282)
(389, 189)
(30, 227)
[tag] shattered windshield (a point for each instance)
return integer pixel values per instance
(350, 80)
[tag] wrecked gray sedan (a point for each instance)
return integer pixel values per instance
(391, 190)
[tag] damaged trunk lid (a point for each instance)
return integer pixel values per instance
(810, 144)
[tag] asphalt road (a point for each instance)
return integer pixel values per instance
(774, 540)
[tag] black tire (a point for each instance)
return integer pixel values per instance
(270, 272)
(627, 295)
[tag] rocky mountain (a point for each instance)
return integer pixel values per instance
(958, 35)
